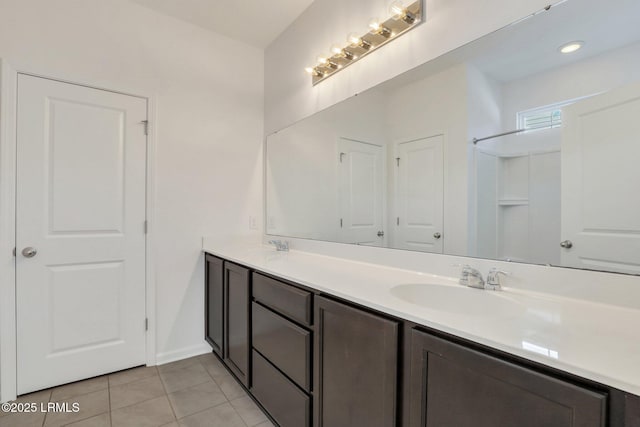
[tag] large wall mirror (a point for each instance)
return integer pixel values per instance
(399, 165)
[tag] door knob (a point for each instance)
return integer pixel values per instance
(380, 233)
(567, 244)
(437, 236)
(29, 252)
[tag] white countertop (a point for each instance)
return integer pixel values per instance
(599, 342)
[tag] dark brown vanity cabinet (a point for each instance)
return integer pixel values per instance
(237, 312)
(356, 367)
(282, 339)
(214, 298)
(452, 385)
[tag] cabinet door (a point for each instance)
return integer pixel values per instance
(455, 386)
(356, 355)
(237, 311)
(213, 296)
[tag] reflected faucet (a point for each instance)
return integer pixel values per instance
(471, 277)
(280, 245)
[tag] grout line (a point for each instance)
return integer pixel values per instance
(173, 411)
(109, 394)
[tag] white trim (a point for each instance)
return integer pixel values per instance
(8, 362)
(152, 117)
(183, 353)
(8, 331)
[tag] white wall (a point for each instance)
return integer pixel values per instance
(289, 95)
(209, 92)
(303, 190)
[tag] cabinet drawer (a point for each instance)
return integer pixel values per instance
(286, 403)
(286, 299)
(284, 344)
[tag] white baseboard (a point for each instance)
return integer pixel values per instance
(182, 353)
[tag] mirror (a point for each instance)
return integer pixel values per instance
(506, 148)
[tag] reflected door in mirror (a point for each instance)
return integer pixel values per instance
(600, 176)
(361, 191)
(419, 195)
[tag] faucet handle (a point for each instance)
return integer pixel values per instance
(464, 273)
(493, 279)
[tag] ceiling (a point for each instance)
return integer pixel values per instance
(255, 22)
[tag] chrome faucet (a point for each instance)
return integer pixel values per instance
(471, 277)
(281, 245)
(493, 279)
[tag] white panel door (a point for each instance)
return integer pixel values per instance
(81, 205)
(420, 193)
(600, 182)
(361, 192)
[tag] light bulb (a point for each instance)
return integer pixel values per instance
(374, 24)
(309, 70)
(397, 8)
(354, 39)
(322, 59)
(336, 49)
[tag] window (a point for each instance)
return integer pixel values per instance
(541, 118)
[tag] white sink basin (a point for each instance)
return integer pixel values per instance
(458, 299)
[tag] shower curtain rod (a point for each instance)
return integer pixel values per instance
(476, 140)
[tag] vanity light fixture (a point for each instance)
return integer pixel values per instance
(571, 47)
(403, 18)
(377, 28)
(400, 12)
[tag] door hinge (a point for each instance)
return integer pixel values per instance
(145, 123)
(340, 222)
(398, 161)
(398, 221)
(341, 156)
(146, 324)
(145, 226)
(14, 252)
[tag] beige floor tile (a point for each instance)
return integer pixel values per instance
(38, 397)
(266, 424)
(178, 379)
(152, 413)
(219, 416)
(180, 364)
(102, 420)
(131, 375)
(171, 424)
(230, 387)
(250, 413)
(136, 392)
(31, 419)
(213, 366)
(190, 400)
(79, 388)
(91, 404)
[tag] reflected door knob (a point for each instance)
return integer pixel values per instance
(29, 252)
(567, 244)
(380, 233)
(437, 236)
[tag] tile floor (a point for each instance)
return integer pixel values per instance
(195, 392)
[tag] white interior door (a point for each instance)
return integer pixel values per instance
(81, 205)
(600, 177)
(361, 192)
(420, 193)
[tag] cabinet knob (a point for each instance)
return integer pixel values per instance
(437, 236)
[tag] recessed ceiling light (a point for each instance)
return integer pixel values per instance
(571, 47)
